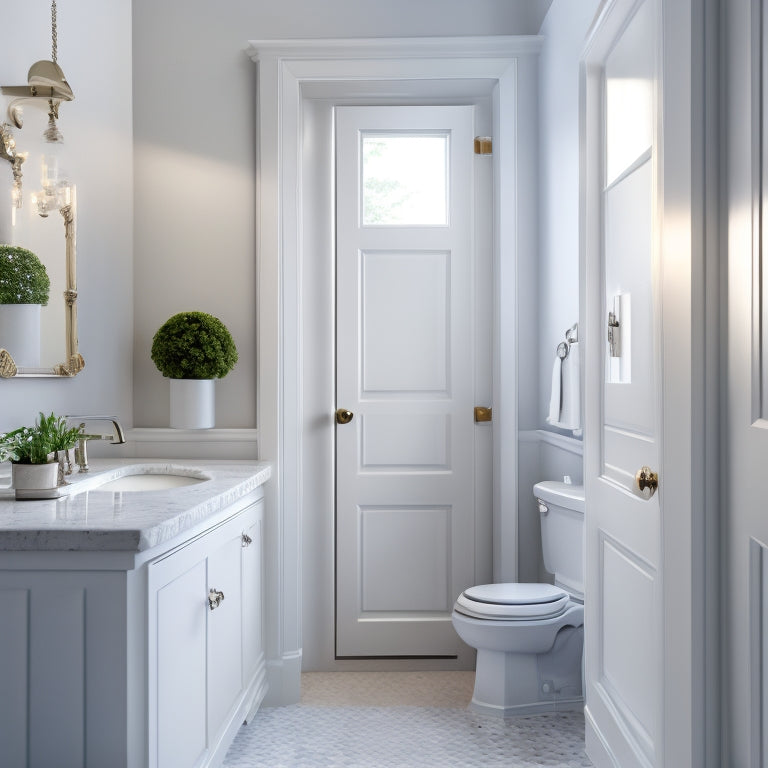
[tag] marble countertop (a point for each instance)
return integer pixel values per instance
(89, 519)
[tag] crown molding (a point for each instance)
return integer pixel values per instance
(487, 47)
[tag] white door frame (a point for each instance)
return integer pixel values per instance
(289, 430)
(690, 459)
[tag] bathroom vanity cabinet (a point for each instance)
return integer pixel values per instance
(205, 652)
(137, 656)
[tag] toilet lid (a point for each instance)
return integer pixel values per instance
(513, 601)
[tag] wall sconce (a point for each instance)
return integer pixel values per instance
(45, 84)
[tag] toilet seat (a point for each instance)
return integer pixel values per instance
(527, 602)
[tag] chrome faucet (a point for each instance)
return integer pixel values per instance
(81, 452)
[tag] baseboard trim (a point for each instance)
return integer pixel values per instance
(597, 750)
(283, 681)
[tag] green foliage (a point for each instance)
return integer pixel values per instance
(384, 198)
(193, 345)
(23, 279)
(33, 445)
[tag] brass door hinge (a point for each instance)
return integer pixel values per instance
(483, 145)
(483, 414)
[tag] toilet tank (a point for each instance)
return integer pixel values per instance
(561, 507)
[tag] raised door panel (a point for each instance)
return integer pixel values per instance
(224, 633)
(181, 669)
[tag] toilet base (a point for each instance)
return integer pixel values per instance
(517, 710)
(509, 684)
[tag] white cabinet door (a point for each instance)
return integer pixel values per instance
(180, 668)
(207, 662)
(253, 647)
(224, 632)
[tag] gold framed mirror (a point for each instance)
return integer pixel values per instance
(36, 280)
(59, 354)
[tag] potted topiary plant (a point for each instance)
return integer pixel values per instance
(36, 454)
(24, 288)
(193, 349)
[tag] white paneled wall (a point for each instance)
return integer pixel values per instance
(543, 456)
(555, 306)
(564, 30)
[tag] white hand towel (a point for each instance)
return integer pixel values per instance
(555, 397)
(568, 415)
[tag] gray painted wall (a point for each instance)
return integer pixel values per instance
(194, 93)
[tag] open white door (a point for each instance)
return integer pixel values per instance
(649, 254)
(623, 418)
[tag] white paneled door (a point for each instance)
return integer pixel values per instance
(623, 543)
(408, 371)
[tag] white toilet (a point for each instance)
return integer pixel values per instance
(530, 637)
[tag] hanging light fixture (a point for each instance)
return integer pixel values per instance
(56, 189)
(45, 82)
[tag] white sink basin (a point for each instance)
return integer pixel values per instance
(148, 482)
(147, 477)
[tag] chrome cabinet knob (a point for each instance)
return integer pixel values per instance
(246, 540)
(215, 598)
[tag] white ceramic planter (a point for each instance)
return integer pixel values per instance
(32, 481)
(192, 403)
(20, 333)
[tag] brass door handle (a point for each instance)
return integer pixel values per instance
(343, 416)
(646, 479)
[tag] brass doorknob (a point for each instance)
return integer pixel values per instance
(646, 480)
(343, 416)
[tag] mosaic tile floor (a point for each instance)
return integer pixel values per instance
(401, 720)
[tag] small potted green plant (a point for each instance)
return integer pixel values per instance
(36, 454)
(24, 289)
(193, 349)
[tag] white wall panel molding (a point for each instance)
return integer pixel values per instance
(160, 435)
(565, 443)
(221, 444)
(758, 663)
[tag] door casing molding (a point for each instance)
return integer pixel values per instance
(289, 73)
